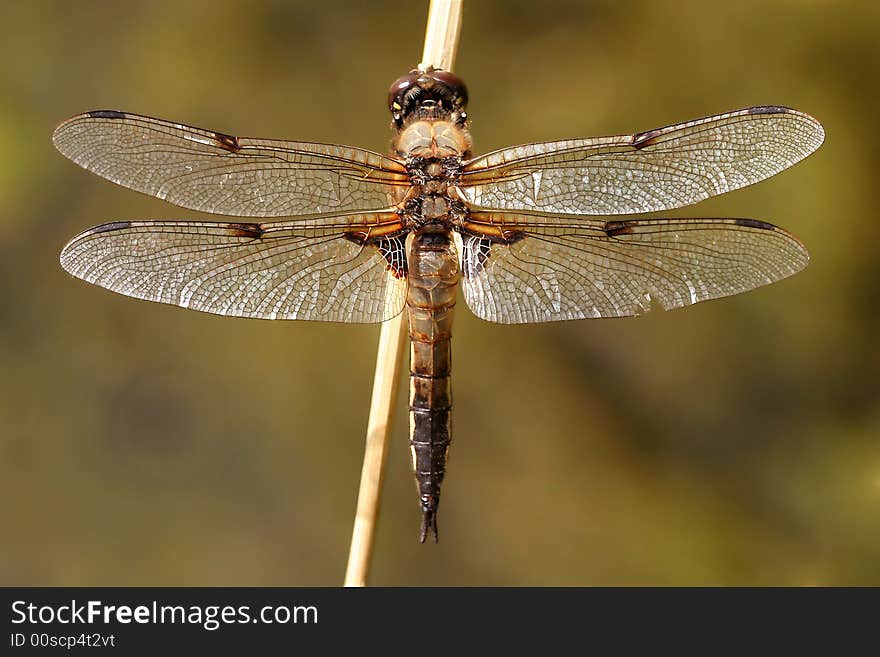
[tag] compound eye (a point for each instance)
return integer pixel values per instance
(454, 83)
(399, 88)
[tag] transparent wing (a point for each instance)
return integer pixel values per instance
(269, 271)
(213, 172)
(650, 171)
(528, 272)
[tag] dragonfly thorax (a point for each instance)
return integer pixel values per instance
(428, 138)
(434, 197)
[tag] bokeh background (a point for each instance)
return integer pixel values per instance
(735, 442)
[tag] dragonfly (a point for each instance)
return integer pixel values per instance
(541, 232)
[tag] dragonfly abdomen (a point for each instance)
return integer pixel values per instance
(433, 281)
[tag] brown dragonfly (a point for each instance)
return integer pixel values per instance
(356, 236)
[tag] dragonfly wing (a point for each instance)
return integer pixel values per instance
(529, 272)
(276, 270)
(650, 171)
(218, 173)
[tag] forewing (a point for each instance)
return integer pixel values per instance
(268, 271)
(530, 272)
(650, 171)
(214, 172)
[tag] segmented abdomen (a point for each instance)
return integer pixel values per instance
(433, 278)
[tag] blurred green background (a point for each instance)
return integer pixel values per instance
(735, 442)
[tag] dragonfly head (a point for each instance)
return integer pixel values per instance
(429, 94)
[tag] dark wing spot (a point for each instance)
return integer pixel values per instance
(754, 223)
(476, 253)
(478, 249)
(227, 142)
(394, 252)
(358, 238)
(106, 114)
(643, 139)
(615, 228)
(113, 225)
(246, 230)
(769, 109)
(391, 248)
